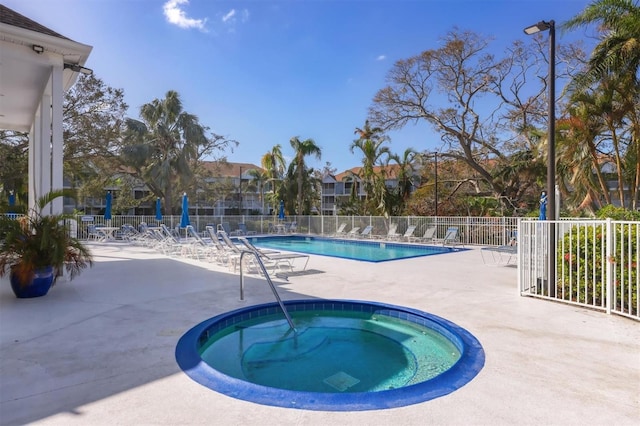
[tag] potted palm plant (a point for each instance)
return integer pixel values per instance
(35, 248)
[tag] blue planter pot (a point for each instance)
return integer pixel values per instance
(39, 285)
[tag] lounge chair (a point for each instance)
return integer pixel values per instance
(353, 232)
(96, 233)
(428, 237)
(340, 230)
(224, 226)
(392, 234)
(409, 232)
(366, 232)
(223, 254)
(451, 237)
(501, 255)
(277, 259)
(242, 230)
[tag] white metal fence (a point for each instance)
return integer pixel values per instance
(472, 230)
(591, 263)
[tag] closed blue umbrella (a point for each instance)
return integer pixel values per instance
(543, 206)
(281, 210)
(184, 219)
(107, 208)
(158, 210)
(12, 201)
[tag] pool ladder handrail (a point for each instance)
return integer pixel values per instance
(273, 287)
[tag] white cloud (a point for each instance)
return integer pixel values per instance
(175, 15)
(381, 58)
(229, 15)
(232, 17)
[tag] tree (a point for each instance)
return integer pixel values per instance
(301, 150)
(370, 142)
(613, 74)
(405, 173)
(618, 51)
(93, 115)
(260, 177)
(486, 107)
(14, 167)
(273, 163)
(163, 146)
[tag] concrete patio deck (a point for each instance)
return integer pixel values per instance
(99, 350)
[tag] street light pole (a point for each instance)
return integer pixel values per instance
(435, 155)
(551, 142)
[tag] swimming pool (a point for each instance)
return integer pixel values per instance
(369, 251)
(345, 355)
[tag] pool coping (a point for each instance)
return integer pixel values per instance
(471, 361)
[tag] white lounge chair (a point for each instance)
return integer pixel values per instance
(353, 232)
(409, 232)
(451, 237)
(340, 231)
(501, 255)
(392, 234)
(366, 232)
(428, 237)
(277, 259)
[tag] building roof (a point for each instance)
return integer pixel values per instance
(29, 51)
(391, 172)
(228, 169)
(11, 17)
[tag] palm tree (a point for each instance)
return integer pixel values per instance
(260, 177)
(162, 145)
(615, 65)
(370, 141)
(405, 172)
(618, 51)
(274, 165)
(303, 149)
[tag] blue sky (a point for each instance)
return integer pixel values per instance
(263, 71)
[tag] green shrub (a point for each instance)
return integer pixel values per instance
(617, 213)
(584, 263)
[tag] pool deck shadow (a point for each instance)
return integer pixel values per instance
(99, 349)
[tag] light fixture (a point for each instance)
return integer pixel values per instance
(551, 142)
(540, 26)
(37, 48)
(78, 68)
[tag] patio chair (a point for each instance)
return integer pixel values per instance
(451, 237)
(366, 232)
(340, 231)
(242, 230)
(392, 234)
(409, 232)
(501, 255)
(223, 255)
(198, 247)
(353, 232)
(224, 226)
(95, 233)
(429, 235)
(277, 259)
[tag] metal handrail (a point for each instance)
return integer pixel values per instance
(273, 287)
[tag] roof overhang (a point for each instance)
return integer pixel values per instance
(25, 72)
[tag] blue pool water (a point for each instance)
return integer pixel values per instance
(344, 355)
(369, 251)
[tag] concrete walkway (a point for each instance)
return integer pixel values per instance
(99, 350)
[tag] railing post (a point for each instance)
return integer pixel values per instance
(609, 264)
